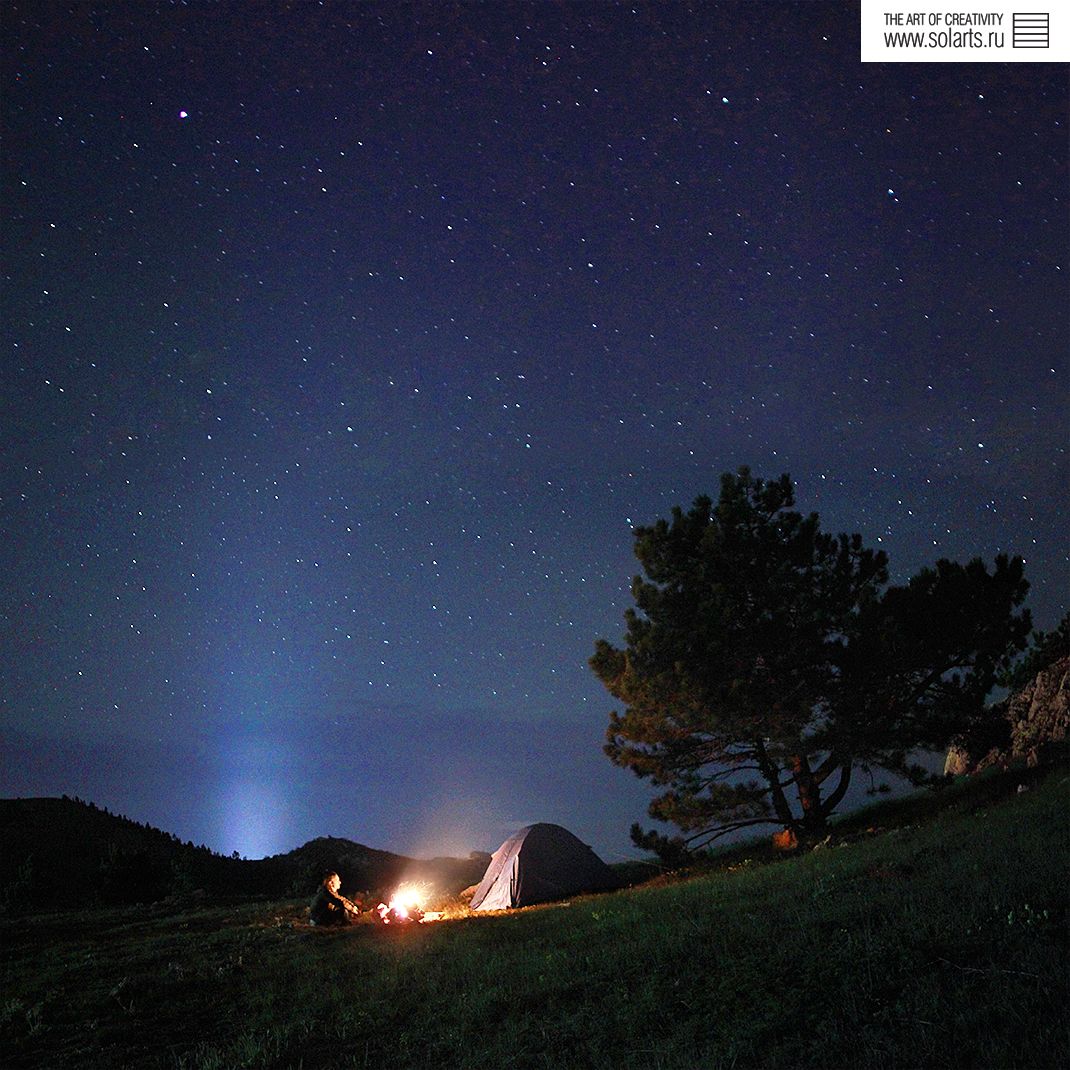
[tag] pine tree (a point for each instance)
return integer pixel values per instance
(765, 660)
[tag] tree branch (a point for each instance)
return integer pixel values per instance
(836, 797)
(723, 830)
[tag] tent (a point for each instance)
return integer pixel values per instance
(538, 864)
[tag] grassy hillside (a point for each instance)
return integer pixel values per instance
(939, 943)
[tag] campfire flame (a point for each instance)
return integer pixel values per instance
(406, 905)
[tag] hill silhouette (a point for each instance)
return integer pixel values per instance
(58, 854)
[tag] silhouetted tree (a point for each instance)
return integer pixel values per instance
(1044, 648)
(766, 660)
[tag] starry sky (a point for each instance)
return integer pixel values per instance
(344, 345)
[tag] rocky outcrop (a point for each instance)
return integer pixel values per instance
(958, 761)
(1036, 716)
(1040, 713)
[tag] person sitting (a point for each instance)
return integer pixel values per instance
(330, 907)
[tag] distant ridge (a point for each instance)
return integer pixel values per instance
(66, 854)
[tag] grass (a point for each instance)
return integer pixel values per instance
(939, 942)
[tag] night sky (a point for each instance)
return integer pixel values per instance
(344, 345)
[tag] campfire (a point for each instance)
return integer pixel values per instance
(406, 906)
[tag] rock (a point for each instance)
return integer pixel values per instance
(996, 757)
(957, 762)
(1040, 712)
(1037, 716)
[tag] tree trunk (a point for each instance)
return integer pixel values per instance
(772, 776)
(813, 823)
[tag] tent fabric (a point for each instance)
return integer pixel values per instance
(539, 864)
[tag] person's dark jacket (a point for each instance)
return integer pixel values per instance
(330, 909)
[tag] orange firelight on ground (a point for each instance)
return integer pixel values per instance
(406, 904)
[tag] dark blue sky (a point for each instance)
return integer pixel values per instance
(344, 345)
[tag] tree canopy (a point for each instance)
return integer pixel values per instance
(1044, 649)
(765, 660)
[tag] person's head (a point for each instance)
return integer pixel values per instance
(332, 882)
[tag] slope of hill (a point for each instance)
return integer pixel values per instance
(938, 942)
(65, 853)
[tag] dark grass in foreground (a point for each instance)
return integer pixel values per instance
(942, 943)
